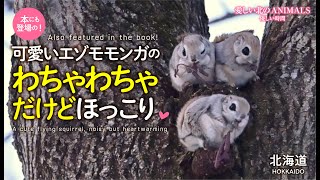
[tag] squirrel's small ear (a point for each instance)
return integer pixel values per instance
(201, 38)
(182, 36)
(257, 38)
(248, 30)
(204, 40)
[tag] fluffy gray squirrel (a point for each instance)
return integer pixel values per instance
(203, 121)
(237, 58)
(192, 61)
(212, 122)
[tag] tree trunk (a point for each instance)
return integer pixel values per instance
(284, 120)
(283, 102)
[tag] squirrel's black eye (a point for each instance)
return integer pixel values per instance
(184, 52)
(245, 51)
(203, 51)
(233, 107)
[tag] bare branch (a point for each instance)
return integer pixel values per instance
(226, 16)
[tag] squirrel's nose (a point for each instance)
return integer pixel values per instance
(193, 60)
(242, 116)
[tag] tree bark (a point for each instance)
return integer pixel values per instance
(283, 101)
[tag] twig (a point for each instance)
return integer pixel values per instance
(194, 70)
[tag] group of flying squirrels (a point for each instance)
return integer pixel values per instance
(215, 121)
